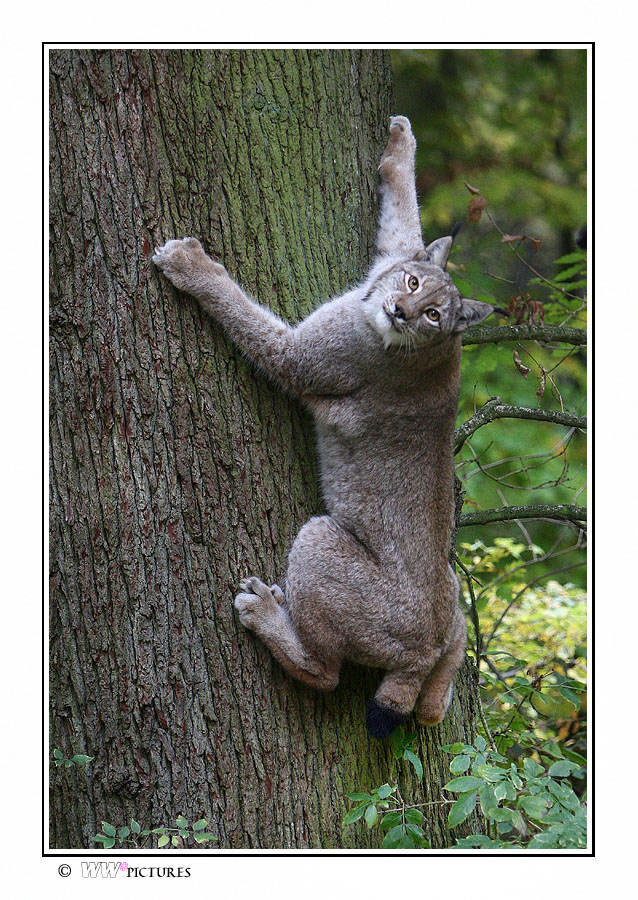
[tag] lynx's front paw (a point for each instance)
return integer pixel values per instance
(185, 263)
(400, 149)
(258, 604)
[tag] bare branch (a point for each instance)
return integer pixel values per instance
(562, 511)
(494, 409)
(493, 334)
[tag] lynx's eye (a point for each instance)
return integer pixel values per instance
(412, 282)
(433, 315)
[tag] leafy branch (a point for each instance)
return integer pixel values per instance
(80, 759)
(495, 409)
(136, 835)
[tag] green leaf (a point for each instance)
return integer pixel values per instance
(181, 822)
(68, 763)
(570, 696)
(491, 773)
(135, 827)
(531, 768)
(384, 791)
(393, 838)
(371, 815)
(200, 825)
(480, 743)
(464, 783)
(575, 757)
(160, 830)
(80, 759)
(504, 791)
(163, 840)
(390, 820)
(406, 843)
(99, 838)
(415, 833)
(535, 807)
(460, 764)
(561, 768)
(202, 836)
(415, 816)
(565, 274)
(474, 841)
(123, 832)
(502, 814)
(576, 256)
(455, 748)
(108, 829)
(488, 799)
(543, 841)
(175, 841)
(58, 754)
(462, 808)
(519, 822)
(416, 762)
(108, 843)
(358, 796)
(354, 815)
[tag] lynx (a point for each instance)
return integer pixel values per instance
(379, 367)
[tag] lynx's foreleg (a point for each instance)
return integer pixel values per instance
(399, 231)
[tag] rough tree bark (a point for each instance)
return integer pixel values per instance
(175, 468)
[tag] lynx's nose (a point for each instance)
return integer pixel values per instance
(399, 312)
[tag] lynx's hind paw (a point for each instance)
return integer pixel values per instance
(381, 721)
(432, 712)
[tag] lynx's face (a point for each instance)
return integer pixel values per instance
(414, 303)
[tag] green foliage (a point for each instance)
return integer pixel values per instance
(530, 804)
(80, 759)
(136, 836)
(400, 823)
(530, 644)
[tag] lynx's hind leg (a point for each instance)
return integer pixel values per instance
(438, 688)
(261, 610)
(399, 231)
(393, 702)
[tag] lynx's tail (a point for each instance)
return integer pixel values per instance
(381, 721)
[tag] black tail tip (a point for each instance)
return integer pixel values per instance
(457, 227)
(381, 721)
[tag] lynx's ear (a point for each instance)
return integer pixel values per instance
(471, 313)
(438, 251)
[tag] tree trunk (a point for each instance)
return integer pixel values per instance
(175, 468)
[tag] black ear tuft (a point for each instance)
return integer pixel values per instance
(456, 229)
(381, 721)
